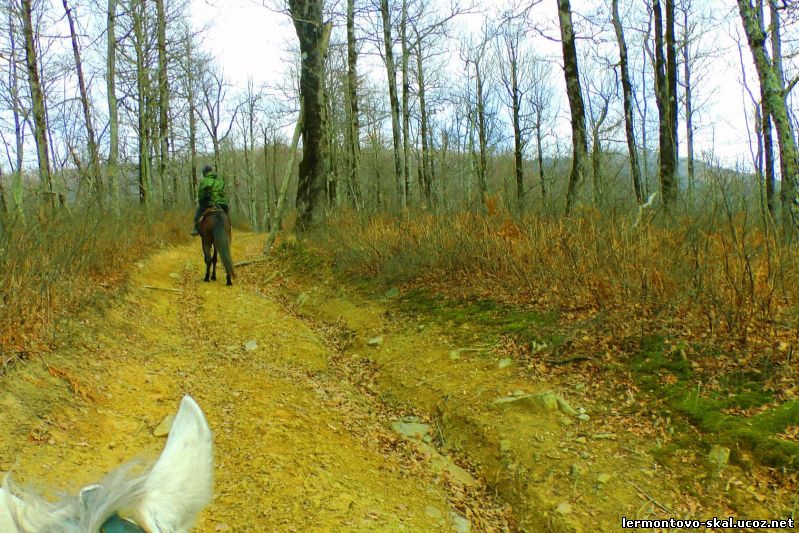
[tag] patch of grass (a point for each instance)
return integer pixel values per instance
(495, 318)
(299, 256)
(668, 374)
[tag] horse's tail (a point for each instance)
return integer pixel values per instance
(222, 241)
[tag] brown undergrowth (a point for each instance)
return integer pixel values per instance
(698, 309)
(53, 265)
(728, 280)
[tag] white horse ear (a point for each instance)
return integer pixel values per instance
(9, 508)
(181, 482)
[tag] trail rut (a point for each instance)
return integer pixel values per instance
(295, 448)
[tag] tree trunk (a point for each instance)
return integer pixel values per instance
(192, 98)
(392, 94)
(142, 86)
(443, 170)
(113, 111)
(689, 105)
(313, 35)
(539, 139)
(482, 136)
(406, 90)
(97, 179)
(576, 105)
(353, 130)
(666, 96)
(425, 169)
(267, 218)
(284, 187)
(510, 81)
(16, 111)
(37, 98)
(776, 99)
(787, 188)
(163, 100)
(766, 134)
(627, 90)
(596, 164)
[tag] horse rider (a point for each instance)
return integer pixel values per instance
(211, 192)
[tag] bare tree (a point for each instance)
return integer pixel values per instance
(247, 122)
(541, 103)
(94, 154)
(666, 97)
(353, 129)
(37, 96)
(576, 105)
(775, 96)
(627, 92)
(214, 87)
(388, 44)
(113, 111)
(476, 56)
(516, 78)
(163, 100)
(18, 112)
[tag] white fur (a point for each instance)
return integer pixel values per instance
(165, 499)
(181, 482)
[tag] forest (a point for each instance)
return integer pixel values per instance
(539, 256)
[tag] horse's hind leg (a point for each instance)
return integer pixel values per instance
(208, 258)
(213, 274)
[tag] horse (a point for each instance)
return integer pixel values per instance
(166, 498)
(215, 230)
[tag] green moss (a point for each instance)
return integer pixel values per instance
(709, 409)
(495, 319)
(299, 256)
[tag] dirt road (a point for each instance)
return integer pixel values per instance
(296, 450)
(311, 391)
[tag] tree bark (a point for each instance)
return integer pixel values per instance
(353, 130)
(142, 86)
(539, 139)
(482, 136)
(787, 187)
(16, 111)
(163, 101)
(392, 95)
(666, 96)
(510, 80)
(627, 90)
(37, 98)
(192, 97)
(766, 130)
(113, 111)
(313, 35)
(94, 156)
(689, 104)
(426, 167)
(406, 90)
(284, 187)
(267, 217)
(576, 105)
(768, 74)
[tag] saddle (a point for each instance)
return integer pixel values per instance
(209, 211)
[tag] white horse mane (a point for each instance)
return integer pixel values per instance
(163, 499)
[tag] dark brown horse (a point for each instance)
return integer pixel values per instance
(215, 231)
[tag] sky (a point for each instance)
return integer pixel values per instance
(250, 41)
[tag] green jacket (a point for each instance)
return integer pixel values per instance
(212, 190)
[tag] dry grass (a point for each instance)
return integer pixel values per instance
(718, 274)
(53, 265)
